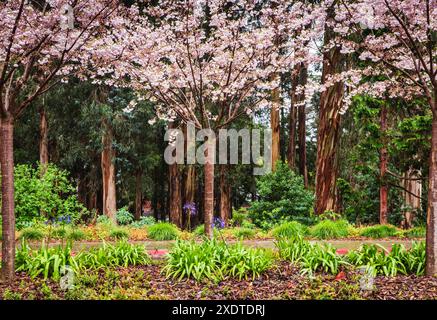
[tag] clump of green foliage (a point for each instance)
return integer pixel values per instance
(121, 254)
(379, 231)
(379, 261)
(215, 261)
(289, 230)
(283, 197)
(310, 257)
(144, 221)
(416, 232)
(46, 262)
(328, 229)
(124, 217)
(244, 233)
(76, 235)
(118, 234)
(163, 231)
(239, 217)
(32, 233)
(39, 197)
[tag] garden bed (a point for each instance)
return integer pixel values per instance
(281, 282)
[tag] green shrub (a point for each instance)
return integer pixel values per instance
(244, 233)
(76, 235)
(104, 220)
(379, 231)
(248, 224)
(379, 261)
(58, 233)
(163, 231)
(328, 229)
(144, 221)
(46, 262)
(289, 230)
(32, 234)
(238, 217)
(242, 262)
(283, 197)
(124, 217)
(118, 234)
(215, 261)
(122, 254)
(310, 257)
(417, 232)
(50, 195)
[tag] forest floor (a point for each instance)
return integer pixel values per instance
(282, 282)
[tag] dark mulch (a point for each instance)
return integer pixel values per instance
(282, 282)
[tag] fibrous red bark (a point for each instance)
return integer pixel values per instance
(328, 133)
(383, 161)
(225, 194)
(108, 172)
(8, 206)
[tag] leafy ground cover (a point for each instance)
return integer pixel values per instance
(282, 282)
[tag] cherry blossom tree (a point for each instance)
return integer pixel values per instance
(398, 39)
(42, 43)
(210, 62)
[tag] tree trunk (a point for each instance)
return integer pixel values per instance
(303, 169)
(175, 195)
(138, 194)
(43, 138)
(209, 197)
(431, 219)
(412, 195)
(108, 173)
(276, 127)
(383, 160)
(8, 206)
(328, 132)
(189, 191)
(291, 151)
(225, 194)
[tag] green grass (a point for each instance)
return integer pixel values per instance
(32, 234)
(416, 232)
(289, 230)
(58, 233)
(118, 234)
(163, 231)
(328, 229)
(76, 235)
(379, 231)
(244, 233)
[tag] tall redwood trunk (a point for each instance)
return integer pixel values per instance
(383, 160)
(431, 219)
(412, 196)
(276, 127)
(225, 194)
(328, 132)
(291, 150)
(175, 195)
(108, 172)
(209, 192)
(303, 169)
(8, 206)
(138, 194)
(43, 137)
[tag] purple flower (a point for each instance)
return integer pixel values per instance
(218, 223)
(191, 207)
